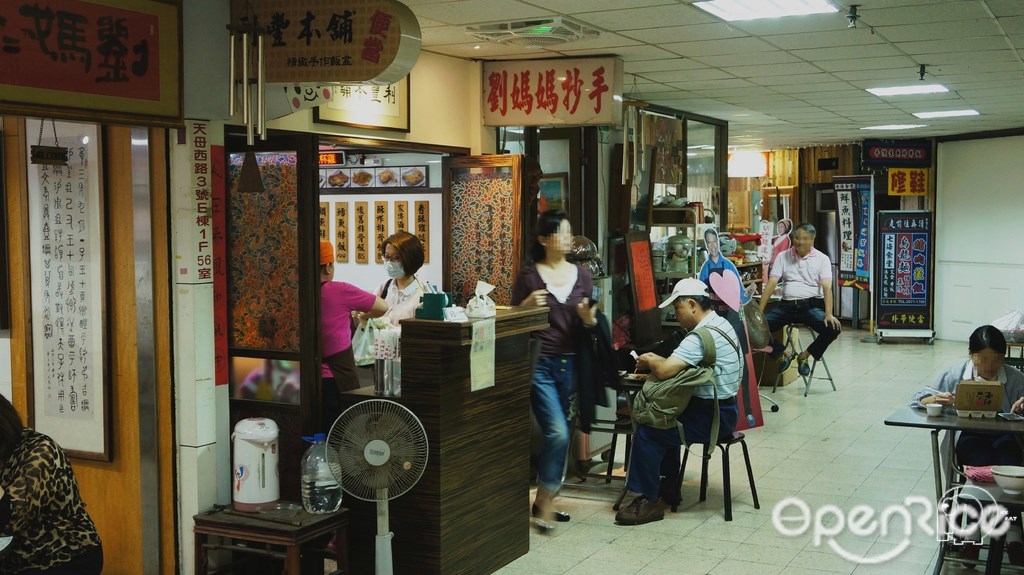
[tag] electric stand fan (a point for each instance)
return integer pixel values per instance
(377, 450)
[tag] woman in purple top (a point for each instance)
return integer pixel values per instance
(565, 289)
(339, 301)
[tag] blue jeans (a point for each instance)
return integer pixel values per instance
(655, 452)
(808, 314)
(549, 399)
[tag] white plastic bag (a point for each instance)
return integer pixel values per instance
(1012, 325)
(362, 340)
(481, 304)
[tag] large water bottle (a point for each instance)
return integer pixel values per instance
(320, 490)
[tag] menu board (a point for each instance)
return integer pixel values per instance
(904, 294)
(358, 177)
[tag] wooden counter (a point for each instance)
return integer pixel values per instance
(470, 511)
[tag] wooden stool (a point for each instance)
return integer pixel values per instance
(289, 532)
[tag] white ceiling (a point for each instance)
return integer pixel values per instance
(788, 82)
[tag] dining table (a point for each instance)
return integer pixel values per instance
(943, 468)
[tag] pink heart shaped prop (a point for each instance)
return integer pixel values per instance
(727, 287)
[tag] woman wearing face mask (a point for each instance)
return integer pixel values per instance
(403, 257)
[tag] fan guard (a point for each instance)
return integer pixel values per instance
(377, 449)
(536, 33)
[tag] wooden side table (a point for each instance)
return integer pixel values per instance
(275, 530)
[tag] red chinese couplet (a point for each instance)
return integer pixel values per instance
(643, 276)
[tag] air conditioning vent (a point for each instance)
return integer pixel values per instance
(538, 33)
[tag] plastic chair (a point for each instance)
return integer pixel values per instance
(723, 447)
(792, 344)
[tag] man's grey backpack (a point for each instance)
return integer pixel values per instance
(659, 403)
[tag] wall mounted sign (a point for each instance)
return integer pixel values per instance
(116, 60)
(421, 229)
(324, 221)
(908, 153)
(362, 232)
(372, 107)
(341, 232)
(861, 192)
(908, 181)
(552, 92)
(68, 273)
(371, 179)
(330, 42)
(401, 216)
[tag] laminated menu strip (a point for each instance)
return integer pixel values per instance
(362, 229)
(401, 216)
(422, 227)
(341, 232)
(380, 224)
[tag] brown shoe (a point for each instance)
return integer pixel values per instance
(640, 511)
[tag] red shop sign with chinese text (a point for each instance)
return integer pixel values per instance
(579, 91)
(327, 41)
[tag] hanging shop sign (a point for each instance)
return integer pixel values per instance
(327, 42)
(904, 295)
(907, 153)
(378, 107)
(854, 204)
(908, 181)
(116, 60)
(583, 91)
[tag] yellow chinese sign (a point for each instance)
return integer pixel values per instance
(325, 224)
(362, 237)
(908, 181)
(401, 216)
(422, 227)
(380, 224)
(341, 232)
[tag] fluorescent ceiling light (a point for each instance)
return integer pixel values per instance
(912, 89)
(756, 9)
(946, 114)
(895, 127)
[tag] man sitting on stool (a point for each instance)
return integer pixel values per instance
(658, 449)
(806, 276)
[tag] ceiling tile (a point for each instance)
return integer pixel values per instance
(831, 38)
(571, 7)
(938, 12)
(953, 45)
(867, 64)
(792, 79)
(686, 75)
(467, 12)
(1013, 24)
(751, 58)
(640, 66)
(1003, 8)
(718, 47)
(662, 35)
(844, 52)
(780, 69)
(711, 84)
(962, 29)
(648, 17)
(627, 53)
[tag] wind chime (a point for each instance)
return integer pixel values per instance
(255, 120)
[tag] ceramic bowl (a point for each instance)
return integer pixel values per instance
(1009, 477)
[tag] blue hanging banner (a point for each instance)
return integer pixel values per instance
(904, 295)
(854, 204)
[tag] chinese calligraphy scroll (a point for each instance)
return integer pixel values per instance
(68, 269)
(861, 190)
(422, 227)
(341, 232)
(362, 232)
(401, 216)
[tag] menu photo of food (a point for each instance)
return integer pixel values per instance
(362, 177)
(335, 178)
(414, 177)
(387, 177)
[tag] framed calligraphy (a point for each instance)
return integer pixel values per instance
(370, 107)
(117, 62)
(68, 277)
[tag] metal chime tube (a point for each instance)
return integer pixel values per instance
(232, 93)
(246, 91)
(261, 88)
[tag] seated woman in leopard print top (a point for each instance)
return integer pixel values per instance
(40, 506)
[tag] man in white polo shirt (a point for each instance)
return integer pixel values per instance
(806, 276)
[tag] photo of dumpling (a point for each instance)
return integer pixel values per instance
(362, 178)
(387, 177)
(413, 177)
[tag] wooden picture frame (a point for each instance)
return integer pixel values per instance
(136, 90)
(554, 192)
(367, 107)
(69, 388)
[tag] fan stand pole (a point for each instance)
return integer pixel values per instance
(383, 565)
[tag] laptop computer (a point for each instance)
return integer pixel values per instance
(978, 398)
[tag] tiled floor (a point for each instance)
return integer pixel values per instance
(830, 448)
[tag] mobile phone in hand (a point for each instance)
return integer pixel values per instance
(1011, 416)
(595, 296)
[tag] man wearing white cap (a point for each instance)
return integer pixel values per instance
(655, 452)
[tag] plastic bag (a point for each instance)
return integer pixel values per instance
(481, 304)
(1012, 326)
(363, 338)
